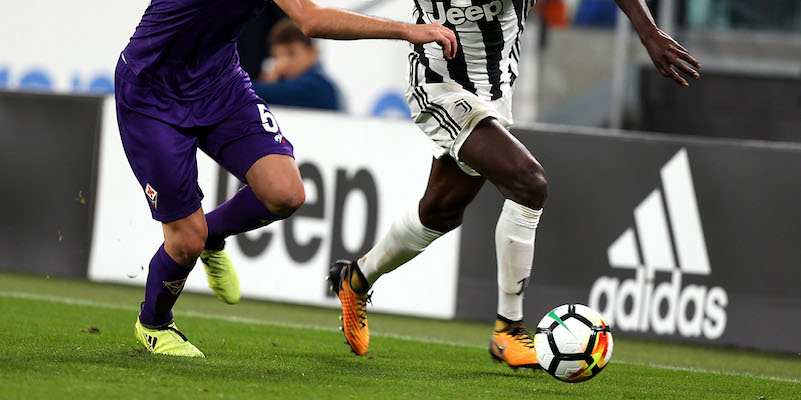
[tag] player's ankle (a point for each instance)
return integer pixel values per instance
(503, 324)
(157, 325)
(358, 282)
(214, 244)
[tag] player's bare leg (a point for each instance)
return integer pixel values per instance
(276, 181)
(501, 158)
(447, 195)
(184, 239)
(274, 191)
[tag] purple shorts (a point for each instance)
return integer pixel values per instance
(161, 137)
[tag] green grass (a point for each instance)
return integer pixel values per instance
(270, 350)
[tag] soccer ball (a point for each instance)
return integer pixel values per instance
(573, 343)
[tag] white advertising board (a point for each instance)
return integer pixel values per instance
(376, 168)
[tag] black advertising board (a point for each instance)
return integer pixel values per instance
(47, 167)
(674, 238)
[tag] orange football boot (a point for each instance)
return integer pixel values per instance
(513, 344)
(354, 304)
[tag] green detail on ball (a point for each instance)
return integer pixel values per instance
(553, 315)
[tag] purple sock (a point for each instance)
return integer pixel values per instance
(243, 212)
(165, 281)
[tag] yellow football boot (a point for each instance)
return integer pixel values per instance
(169, 341)
(354, 304)
(221, 275)
(513, 344)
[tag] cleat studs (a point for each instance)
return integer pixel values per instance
(342, 329)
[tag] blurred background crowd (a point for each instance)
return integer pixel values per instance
(584, 66)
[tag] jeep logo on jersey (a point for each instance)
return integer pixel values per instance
(671, 244)
(459, 15)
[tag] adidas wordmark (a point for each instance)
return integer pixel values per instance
(671, 241)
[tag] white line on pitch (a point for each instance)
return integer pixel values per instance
(254, 321)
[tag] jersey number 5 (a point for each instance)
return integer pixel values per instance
(267, 119)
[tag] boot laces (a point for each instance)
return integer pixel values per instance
(213, 269)
(521, 335)
(361, 308)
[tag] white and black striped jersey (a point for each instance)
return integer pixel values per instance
(488, 33)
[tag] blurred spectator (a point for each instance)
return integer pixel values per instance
(294, 76)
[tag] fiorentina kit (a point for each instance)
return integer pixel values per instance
(178, 87)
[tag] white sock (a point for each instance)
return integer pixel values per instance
(405, 240)
(514, 246)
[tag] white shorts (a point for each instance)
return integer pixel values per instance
(447, 114)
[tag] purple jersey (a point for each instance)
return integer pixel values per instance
(179, 87)
(187, 48)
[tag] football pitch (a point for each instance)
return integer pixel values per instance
(73, 339)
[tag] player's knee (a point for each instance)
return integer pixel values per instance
(186, 248)
(530, 187)
(286, 202)
(441, 217)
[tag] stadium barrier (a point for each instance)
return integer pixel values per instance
(762, 105)
(47, 169)
(670, 237)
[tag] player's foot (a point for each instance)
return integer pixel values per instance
(513, 344)
(354, 299)
(221, 275)
(168, 340)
